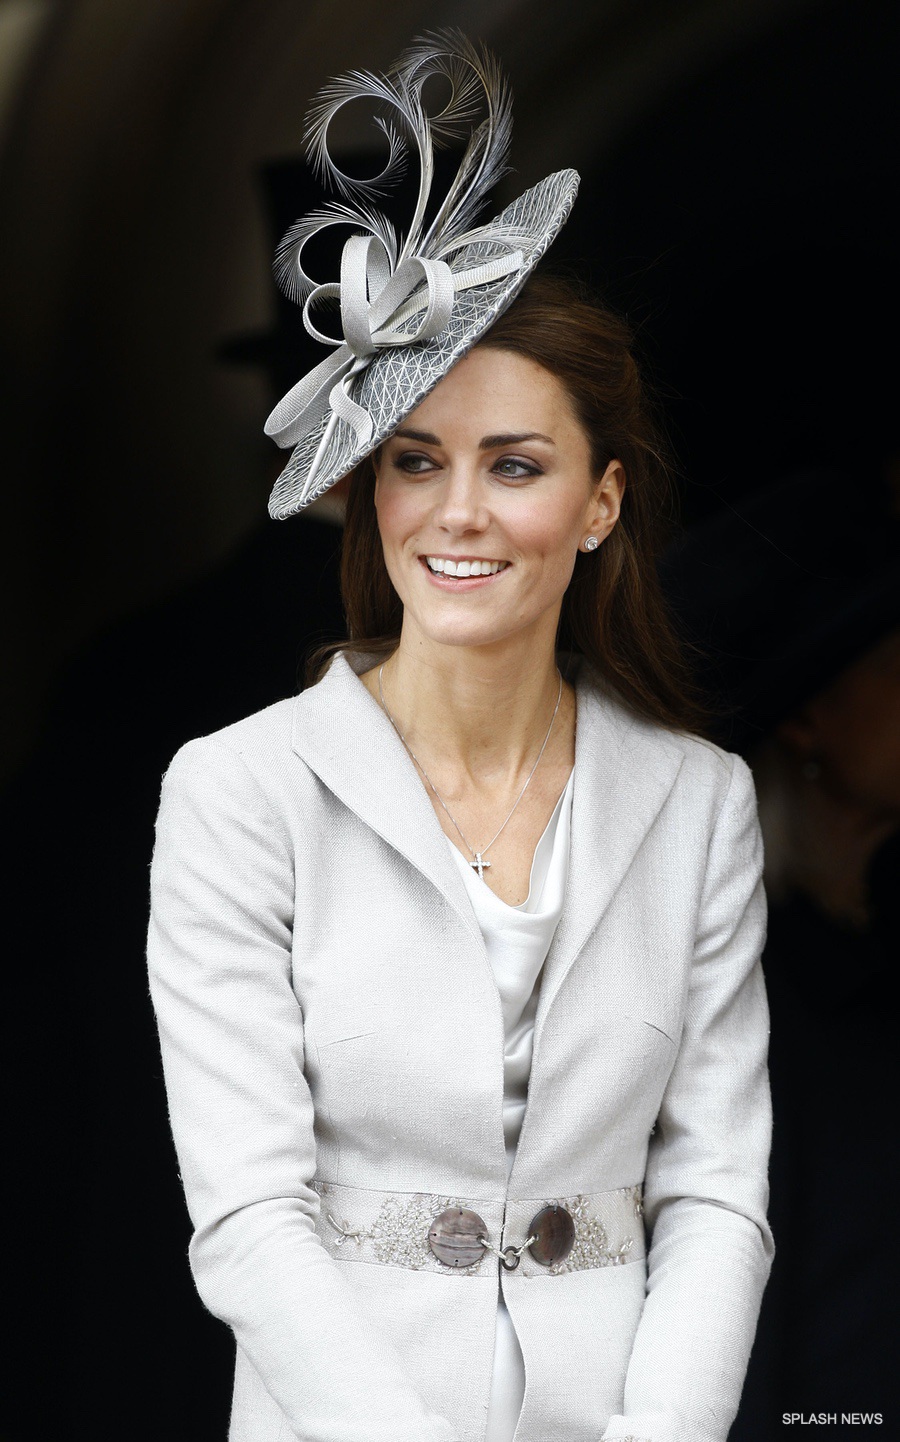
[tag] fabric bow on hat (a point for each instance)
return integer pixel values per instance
(398, 298)
(378, 304)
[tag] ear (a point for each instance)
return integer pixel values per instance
(606, 501)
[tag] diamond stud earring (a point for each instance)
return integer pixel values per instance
(591, 543)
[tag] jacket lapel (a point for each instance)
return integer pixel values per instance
(341, 732)
(625, 769)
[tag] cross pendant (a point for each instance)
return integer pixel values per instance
(479, 865)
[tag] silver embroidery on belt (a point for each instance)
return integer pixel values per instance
(398, 1234)
(592, 1247)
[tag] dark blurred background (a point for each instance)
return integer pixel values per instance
(739, 164)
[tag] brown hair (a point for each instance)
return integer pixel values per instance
(613, 612)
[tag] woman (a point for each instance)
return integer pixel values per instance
(355, 1007)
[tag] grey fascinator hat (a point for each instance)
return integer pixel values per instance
(411, 304)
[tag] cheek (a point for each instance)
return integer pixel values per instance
(549, 534)
(397, 515)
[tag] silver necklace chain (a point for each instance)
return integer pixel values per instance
(478, 863)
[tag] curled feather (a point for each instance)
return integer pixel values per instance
(476, 82)
(478, 106)
(358, 85)
(289, 273)
(458, 63)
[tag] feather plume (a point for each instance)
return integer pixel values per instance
(476, 80)
(424, 58)
(289, 273)
(358, 85)
(477, 87)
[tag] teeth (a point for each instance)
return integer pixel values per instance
(443, 566)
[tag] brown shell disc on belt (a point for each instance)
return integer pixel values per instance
(454, 1237)
(554, 1235)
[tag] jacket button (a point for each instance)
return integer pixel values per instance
(456, 1237)
(554, 1235)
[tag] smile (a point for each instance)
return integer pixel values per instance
(444, 566)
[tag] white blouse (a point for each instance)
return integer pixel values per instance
(517, 939)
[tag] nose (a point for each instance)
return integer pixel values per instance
(460, 506)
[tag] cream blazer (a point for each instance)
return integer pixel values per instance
(333, 1048)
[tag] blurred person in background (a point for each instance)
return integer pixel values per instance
(793, 597)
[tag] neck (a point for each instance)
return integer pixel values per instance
(483, 711)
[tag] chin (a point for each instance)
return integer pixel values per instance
(469, 631)
(463, 635)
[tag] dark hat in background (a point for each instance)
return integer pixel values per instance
(782, 591)
(284, 349)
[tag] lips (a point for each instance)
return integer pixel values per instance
(464, 566)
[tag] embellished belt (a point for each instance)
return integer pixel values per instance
(453, 1235)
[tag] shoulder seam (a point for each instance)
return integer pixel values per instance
(214, 742)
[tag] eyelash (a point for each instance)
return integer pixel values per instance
(527, 468)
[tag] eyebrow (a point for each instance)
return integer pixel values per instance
(487, 443)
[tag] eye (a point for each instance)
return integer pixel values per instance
(516, 470)
(413, 463)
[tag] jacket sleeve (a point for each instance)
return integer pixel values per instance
(219, 951)
(706, 1188)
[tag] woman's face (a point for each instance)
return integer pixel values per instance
(491, 474)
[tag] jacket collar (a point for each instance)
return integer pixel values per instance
(341, 732)
(624, 770)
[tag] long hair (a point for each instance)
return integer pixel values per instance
(612, 612)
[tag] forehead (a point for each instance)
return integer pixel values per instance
(497, 392)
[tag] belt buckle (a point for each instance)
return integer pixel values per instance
(551, 1235)
(458, 1237)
